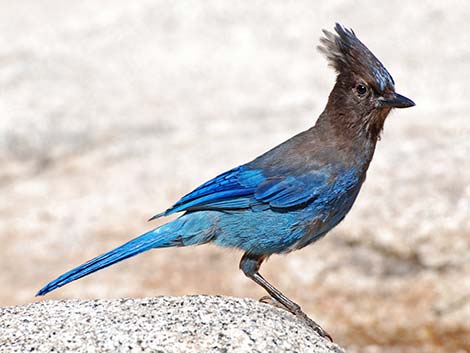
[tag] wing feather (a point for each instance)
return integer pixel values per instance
(243, 188)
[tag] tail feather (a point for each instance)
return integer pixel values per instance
(153, 239)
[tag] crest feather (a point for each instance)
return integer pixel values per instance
(345, 53)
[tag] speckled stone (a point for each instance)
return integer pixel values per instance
(161, 324)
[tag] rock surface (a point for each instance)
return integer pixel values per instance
(162, 324)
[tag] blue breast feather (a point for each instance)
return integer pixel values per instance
(242, 187)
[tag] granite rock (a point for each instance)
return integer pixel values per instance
(161, 324)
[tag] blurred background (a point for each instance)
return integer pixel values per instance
(112, 110)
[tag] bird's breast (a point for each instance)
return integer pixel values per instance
(329, 209)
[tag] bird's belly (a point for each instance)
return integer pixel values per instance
(271, 231)
(325, 218)
(264, 232)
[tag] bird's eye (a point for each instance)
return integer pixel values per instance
(361, 90)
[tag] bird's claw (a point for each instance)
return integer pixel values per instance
(313, 325)
(322, 333)
(267, 299)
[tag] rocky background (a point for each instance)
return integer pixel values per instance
(112, 110)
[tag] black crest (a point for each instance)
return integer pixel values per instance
(346, 53)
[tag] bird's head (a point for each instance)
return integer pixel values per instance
(364, 88)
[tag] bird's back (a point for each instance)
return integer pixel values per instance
(317, 150)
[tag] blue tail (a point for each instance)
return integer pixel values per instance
(157, 238)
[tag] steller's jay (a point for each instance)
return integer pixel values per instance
(293, 194)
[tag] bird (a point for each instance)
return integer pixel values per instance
(292, 195)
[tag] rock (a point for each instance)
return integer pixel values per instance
(161, 324)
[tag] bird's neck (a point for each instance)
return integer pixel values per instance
(345, 131)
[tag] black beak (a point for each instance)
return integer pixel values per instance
(395, 101)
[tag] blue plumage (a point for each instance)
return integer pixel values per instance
(258, 205)
(181, 232)
(293, 194)
(228, 190)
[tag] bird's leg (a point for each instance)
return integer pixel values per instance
(250, 265)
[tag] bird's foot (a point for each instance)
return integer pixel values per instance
(267, 299)
(312, 324)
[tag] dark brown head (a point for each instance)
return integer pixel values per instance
(364, 92)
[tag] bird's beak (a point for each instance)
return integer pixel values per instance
(395, 101)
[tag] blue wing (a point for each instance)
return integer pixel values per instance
(242, 188)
